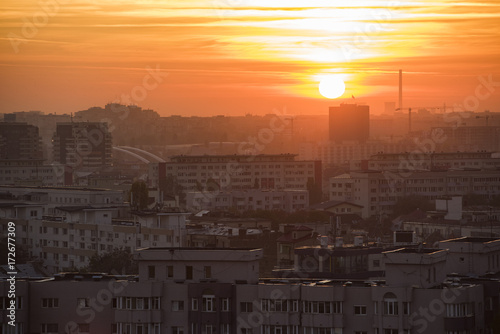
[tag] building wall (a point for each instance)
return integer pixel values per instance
(252, 199)
(83, 144)
(236, 172)
(19, 141)
(112, 304)
(349, 122)
(379, 191)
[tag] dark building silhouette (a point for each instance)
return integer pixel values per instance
(349, 122)
(83, 144)
(19, 141)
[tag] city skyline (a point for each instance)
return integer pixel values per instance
(235, 57)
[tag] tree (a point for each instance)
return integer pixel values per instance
(117, 261)
(138, 195)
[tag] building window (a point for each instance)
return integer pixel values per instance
(459, 310)
(50, 302)
(83, 328)
(390, 304)
(224, 329)
(208, 303)
(391, 331)
(49, 328)
(225, 304)
(209, 329)
(246, 307)
(189, 272)
(360, 310)
(151, 272)
(83, 302)
(194, 304)
(406, 308)
(170, 271)
(177, 330)
(177, 305)
(207, 271)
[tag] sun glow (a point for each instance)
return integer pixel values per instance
(332, 87)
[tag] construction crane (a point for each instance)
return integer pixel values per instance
(409, 113)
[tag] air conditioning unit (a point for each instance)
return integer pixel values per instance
(92, 239)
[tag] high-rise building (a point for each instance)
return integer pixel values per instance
(19, 141)
(349, 122)
(82, 144)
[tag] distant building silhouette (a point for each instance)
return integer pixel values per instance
(82, 144)
(19, 141)
(349, 122)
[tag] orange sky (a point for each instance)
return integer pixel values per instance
(246, 56)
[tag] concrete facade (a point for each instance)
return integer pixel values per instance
(185, 290)
(378, 191)
(248, 200)
(211, 172)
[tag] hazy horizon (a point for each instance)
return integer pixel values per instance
(202, 58)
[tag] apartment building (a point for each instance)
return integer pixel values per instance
(334, 153)
(33, 172)
(418, 160)
(378, 191)
(70, 236)
(64, 226)
(19, 140)
(52, 197)
(288, 200)
(223, 172)
(83, 144)
(186, 290)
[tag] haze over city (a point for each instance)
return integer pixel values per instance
(246, 56)
(249, 167)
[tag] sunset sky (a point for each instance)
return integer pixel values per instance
(246, 56)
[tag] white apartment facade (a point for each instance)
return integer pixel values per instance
(378, 191)
(265, 171)
(68, 238)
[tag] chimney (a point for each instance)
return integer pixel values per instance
(400, 89)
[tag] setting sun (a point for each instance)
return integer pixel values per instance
(332, 87)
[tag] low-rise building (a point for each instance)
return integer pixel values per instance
(186, 290)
